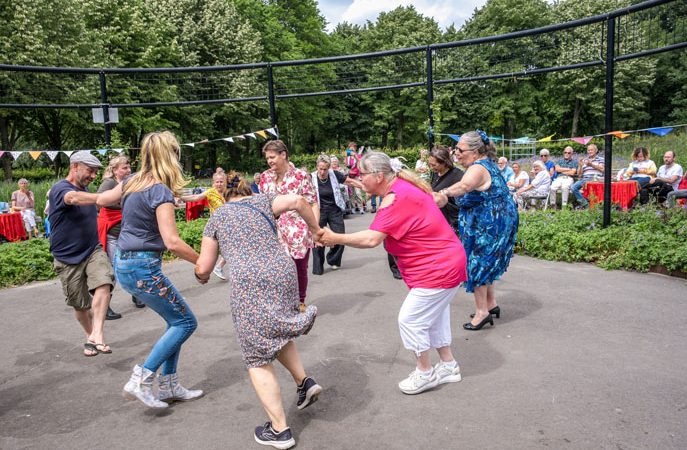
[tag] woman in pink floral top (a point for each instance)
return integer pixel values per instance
(283, 178)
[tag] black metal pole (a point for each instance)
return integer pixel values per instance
(270, 96)
(106, 108)
(430, 98)
(608, 147)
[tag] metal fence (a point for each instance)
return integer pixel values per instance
(641, 30)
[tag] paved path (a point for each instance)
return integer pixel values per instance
(581, 358)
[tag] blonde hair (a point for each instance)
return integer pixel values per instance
(114, 165)
(159, 164)
(378, 162)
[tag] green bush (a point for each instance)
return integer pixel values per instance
(23, 262)
(34, 174)
(637, 240)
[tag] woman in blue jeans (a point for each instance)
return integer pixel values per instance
(148, 229)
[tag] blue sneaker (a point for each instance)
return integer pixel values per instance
(307, 393)
(266, 435)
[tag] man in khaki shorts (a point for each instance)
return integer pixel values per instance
(80, 261)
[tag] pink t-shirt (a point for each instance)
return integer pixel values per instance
(429, 255)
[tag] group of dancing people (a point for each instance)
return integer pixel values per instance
(262, 237)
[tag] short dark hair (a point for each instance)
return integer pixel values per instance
(442, 155)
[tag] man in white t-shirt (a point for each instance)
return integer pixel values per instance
(667, 178)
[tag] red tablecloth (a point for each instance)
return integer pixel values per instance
(12, 227)
(194, 209)
(622, 192)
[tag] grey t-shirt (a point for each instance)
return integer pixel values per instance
(139, 222)
(106, 185)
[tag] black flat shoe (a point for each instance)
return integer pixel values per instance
(137, 302)
(469, 326)
(111, 315)
(495, 311)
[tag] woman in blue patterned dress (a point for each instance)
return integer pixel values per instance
(264, 295)
(488, 223)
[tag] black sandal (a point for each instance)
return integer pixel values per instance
(90, 346)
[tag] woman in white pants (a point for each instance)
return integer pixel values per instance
(431, 260)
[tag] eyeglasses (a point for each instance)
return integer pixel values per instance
(365, 173)
(460, 150)
(567, 153)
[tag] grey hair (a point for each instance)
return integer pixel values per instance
(475, 143)
(22, 180)
(377, 162)
(324, 159)
(334, 158)
(503, 159)
(539, 164)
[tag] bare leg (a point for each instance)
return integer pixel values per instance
(491, 299)
(445, 354)
(267, 387)
(481, 309)
(101, 300)
(422, 361)
(291, 359)
(85, 318)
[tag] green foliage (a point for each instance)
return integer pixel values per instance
(637, 240)
(23, 262)
(34, 174)
(192, 232)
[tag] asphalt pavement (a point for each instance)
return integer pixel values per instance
(580, 358)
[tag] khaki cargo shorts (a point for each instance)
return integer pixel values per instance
(79, 281)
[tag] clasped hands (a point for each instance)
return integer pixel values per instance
(324, 237)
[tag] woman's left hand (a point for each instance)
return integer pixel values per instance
(440, 199)
(325, 237)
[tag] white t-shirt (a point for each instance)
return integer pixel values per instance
(522, 176)
(667, 172)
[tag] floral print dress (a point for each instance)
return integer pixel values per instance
(488, 225)
(294, 233)
(264, 289)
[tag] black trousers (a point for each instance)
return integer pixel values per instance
(658, 189)
(335, 220)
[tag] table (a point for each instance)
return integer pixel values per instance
(194, 209)
(12, 227)
(622, 192)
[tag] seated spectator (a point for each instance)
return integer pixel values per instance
(538, 188)
(24, 202)
(421, 166)
(505, 169)
(622, 175)
(565, 170)
(641, 170)
(680, 192)
(254, 185)
(667, 178)
(545, 156)
(521, 179)
(590, 169)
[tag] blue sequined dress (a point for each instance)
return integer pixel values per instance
(488, 225)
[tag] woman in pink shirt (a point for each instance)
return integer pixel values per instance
(430, 257)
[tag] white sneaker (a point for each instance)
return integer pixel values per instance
(335, 267)
(447, 374)
(417, 382)
(218, 273)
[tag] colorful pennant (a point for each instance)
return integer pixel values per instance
(661, 131)
(547, 138)
(35, 154)
(51, 154)
(582, 140)
(619, 134)
(16, 155)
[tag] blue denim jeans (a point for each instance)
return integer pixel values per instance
(140, 274)
(576, 189)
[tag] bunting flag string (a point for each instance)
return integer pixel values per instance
(584, 140)
(35, 154)
(232, 139)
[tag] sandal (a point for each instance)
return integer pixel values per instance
(90, 350)
(100, 348)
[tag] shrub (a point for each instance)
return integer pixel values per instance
(23, 262)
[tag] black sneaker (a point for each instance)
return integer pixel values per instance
(111, 315)
(307, 393)
(266, 435)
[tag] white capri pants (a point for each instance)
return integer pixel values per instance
(425, 319)
(29, 218)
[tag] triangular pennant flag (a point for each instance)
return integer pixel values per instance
(16, 155)
(455, 137)
(118, 150)
(35, 154)
(522, 140)
(273, 132)
(495, 138)
(619, 134)
(661, 131)
(2, 152)
(204, 141)
(190, 145)
(51, 154)
(547, 138)
(68, 152)
(252, 135)
(262, 134)
(102, 151)
(582, 140)
(228, 139)
(240, 137)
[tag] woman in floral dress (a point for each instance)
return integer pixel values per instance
(488, 223)
(283, 178)
(264, 295)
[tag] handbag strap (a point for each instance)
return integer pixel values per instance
(248, 205)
